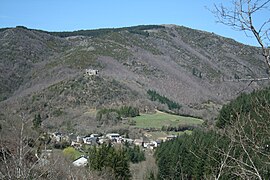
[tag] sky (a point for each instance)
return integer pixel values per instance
(69, 15)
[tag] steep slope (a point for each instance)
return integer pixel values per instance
(43, 72)
(22, 53)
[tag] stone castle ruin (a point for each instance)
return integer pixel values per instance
(91, 72)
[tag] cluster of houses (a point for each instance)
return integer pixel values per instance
(114, 138)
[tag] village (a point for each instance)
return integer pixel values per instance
(78, 142)
(81, 143)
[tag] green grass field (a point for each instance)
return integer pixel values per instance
(160, 119)
(72, 153)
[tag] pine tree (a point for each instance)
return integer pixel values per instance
(37, 121)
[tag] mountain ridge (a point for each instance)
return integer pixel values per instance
(191, 67)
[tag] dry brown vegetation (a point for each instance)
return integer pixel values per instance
(44, 74)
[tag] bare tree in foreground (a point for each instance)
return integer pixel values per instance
(19, 157)
(241, 15)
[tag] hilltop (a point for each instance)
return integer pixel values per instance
(44, 72)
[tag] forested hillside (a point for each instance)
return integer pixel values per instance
(238, 147)
(187, 71)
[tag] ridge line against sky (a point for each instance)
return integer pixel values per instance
(70, 15)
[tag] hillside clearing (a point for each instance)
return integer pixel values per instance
(159, 119)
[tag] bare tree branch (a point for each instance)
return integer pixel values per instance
(239, 17)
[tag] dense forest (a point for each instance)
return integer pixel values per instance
(115, 159)
(154, 96)
(140, 29)
(237, 148)
(101, 32)
(114, 115)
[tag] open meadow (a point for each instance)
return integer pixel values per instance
(159, 119)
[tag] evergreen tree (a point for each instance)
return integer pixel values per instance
(154, 96)
(239, 149)
(37, 121)
(107, 157)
